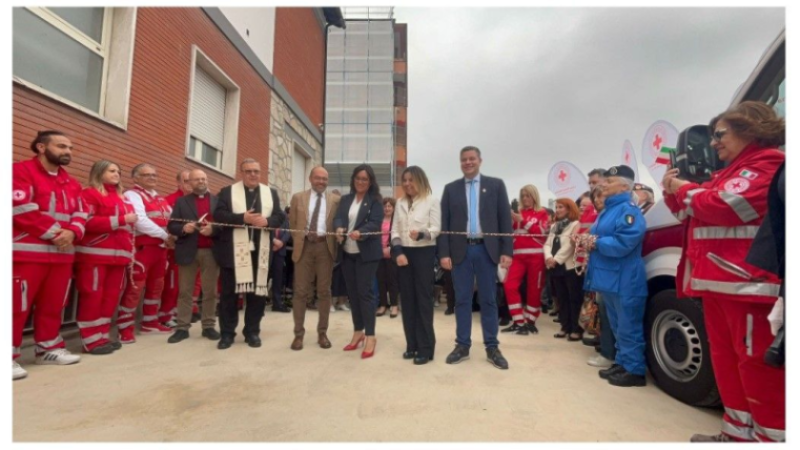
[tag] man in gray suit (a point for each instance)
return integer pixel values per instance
(475, 204)
(193, 250)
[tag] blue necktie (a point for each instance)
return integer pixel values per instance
(473, 209)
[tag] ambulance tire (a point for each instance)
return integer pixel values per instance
(678, 353)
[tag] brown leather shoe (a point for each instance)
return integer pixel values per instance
(323, 341)
(297, 344)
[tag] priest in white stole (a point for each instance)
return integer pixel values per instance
(243, 253)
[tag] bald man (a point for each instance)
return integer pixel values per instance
(191, 222)
(314, 253)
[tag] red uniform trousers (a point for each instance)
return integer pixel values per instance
(533, 266)
(45, 288)
(169, 296)
(149, 269)
(753, 393)
(99, 288)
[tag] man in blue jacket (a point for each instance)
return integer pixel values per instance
(616, 270)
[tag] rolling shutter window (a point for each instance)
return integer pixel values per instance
(208, 109)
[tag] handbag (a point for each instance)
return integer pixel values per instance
(589, 318)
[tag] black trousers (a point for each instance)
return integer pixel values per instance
(228, 311)
(416, 289)
(359, 277)
(569, 290)
(387, 282)
(276, 273)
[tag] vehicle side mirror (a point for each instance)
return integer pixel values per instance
(695, 158)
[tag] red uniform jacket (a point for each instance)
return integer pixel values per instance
(533, 223)
(588, 218)
(44, 204)
(157, 210)
(723, 217)
(108, 239)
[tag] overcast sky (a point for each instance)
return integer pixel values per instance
(534, 86)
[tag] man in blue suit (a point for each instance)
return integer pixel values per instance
(616, 270)
(475, 205)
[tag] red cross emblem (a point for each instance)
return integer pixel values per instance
(736, 185)
(562, 175)
(657, 142)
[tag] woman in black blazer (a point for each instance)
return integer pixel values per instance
(359, 212)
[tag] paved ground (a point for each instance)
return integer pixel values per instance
(152, 391)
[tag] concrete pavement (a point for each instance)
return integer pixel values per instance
(152, 391)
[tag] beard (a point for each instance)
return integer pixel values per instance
(62, 160)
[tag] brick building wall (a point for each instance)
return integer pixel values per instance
(159, 104)
(299, 58)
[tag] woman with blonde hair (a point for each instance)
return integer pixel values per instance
(102, 256)
(416, 225)
(529, 226)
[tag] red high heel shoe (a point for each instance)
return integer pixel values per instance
(351, 347)
(365, 354)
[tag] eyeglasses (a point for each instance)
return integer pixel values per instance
(717, 134)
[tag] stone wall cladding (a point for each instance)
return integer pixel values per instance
(282, 150)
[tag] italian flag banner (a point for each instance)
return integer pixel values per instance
(663, 155)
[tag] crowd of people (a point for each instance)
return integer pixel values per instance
(124, 246)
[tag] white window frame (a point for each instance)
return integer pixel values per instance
(231, 126)
(119, 27)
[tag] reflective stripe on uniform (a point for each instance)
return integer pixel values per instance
(103, 252)
(27, 207)
(92, 339)
(743, 232)
(24, 289)
(79, 226)
(529, 251)
(146, 319)
(157, 215)
(114, 222)
(744, 433)
(765, 289)
(740, 206)
(739, 416)
(52, 210)
(49, 344)
(127, 310)
(680, 215)
(95, 278)
(94, 323)
(50, 233)
(772, 434)
(41, 248)
(748, 338)
(689, 211)
(691, 193)
(123, 325)
(532, 309)
(60, 216)
(80, 215)
(152, 301)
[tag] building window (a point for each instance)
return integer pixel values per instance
(213, 116)
(79, 56)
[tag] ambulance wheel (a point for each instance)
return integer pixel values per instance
(678, 354)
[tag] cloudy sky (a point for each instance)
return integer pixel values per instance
(534, 86)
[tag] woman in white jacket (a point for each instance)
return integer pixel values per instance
(558, 252)
(416, 224)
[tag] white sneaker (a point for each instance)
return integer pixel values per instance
(60, 357)
(18, 371)
(333, 309)
(171, 324)
(599, 361)
(344, 307)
